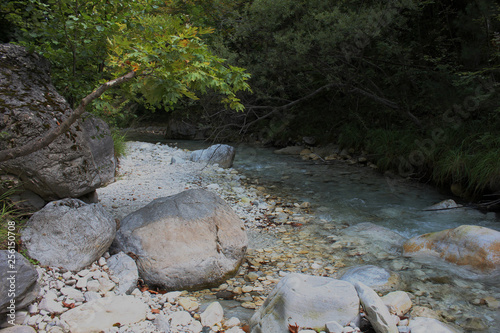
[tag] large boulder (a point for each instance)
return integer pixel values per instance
(77, 162)
(467, 245)
(223, 155)
(19, 285)
(306, 301)
(69, 233)
(186, 241)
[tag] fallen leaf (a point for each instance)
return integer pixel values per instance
(293, 328)
(68, 305)
(155, 311)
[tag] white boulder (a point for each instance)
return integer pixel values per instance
(308, 301)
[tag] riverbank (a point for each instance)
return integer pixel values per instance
(290, 235)
(400, 153)
(286, 235)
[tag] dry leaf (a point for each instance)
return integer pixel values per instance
(293, 328)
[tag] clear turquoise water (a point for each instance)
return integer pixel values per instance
(347, 194)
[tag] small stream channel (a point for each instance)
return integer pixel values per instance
(346, 195)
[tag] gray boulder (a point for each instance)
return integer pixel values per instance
(375, 277)
(124, 268)
(186, 241)
(220, 154)
(77, 162)
(308, 301)
(69, 233)
(22, 283)
(376, 311)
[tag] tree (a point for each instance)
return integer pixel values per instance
(157, 59)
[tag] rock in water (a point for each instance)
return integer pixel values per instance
(377, 278)
(398, 302)
(186, 241)
(290, 150)
(473, 246)
(308, 301)
(381, 237)
(377, 313)
(220, 154)
(69, 233)
(103, 313)
(212, 315)
(24, 282)
(77, 162)
(444, 205)
(429, 325)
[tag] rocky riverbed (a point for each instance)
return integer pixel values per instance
(285, 236)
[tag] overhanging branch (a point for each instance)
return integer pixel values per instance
(51, 135)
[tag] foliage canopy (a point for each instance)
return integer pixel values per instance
(91, 42)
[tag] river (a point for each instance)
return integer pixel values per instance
(345, 195)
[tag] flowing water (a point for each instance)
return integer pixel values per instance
(347, 195)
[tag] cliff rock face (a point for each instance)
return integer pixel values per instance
(77, 162)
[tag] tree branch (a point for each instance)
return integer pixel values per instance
(283, 107)
(51, 135)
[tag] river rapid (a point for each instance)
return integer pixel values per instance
(343, 195)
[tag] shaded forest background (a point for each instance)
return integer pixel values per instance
(412, 84)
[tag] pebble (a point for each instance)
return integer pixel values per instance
(83, 273)
(212, 315)
(82, 282)
(189, 304)
(93, 286)
(51, 306)
(249, 305)
(102, 261)
(232, 322)
(251, 277)
(247, 289)
(492, 302)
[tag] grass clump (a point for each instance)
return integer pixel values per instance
(119, 142)
(473, 162)
(11, 219)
